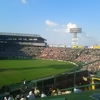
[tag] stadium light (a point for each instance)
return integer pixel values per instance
(75, 38)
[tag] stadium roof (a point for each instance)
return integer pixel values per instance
(18, 34)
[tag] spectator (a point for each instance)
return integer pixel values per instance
(58, 91)
(17, 97)
(43, 94)
(31, 95)
(5, 98)
(77, 90)
(36, 92)
(10, 97)
(23, 97)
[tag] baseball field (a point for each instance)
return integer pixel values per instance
(13, 71)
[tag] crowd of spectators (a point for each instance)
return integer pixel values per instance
(59, 53)
(93, 67)
(90, 58)
(36, 93)
(76, 55)
(20, 51)
(22, 96)
(88, 55)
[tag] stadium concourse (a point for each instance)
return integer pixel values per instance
(34, 46)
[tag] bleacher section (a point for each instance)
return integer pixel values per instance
(19, 51)
(78, 56)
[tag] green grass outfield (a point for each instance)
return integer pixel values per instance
(13, 71)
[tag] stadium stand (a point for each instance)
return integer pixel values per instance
(34, 46)
(90, 57)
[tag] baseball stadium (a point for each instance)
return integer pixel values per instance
(32, 69)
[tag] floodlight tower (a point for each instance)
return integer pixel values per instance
(75, 38)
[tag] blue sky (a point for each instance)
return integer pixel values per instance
(52, 19)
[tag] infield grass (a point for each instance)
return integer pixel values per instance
(13, 71)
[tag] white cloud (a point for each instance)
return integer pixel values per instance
(58, 30)
(86, 39)
(98, 40)
(50, 23)
(66, 28)
(24, 1)
(70, 25)
(47, 29)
